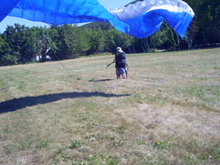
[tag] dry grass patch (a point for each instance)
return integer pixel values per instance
(76, 112)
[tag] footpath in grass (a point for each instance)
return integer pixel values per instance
(77, 112)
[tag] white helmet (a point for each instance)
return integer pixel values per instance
(118, 48)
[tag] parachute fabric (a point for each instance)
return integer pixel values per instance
(140, 19)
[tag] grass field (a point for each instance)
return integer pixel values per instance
(76, 111)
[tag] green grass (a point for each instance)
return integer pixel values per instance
(76, 112)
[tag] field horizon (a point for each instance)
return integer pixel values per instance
(77, 112)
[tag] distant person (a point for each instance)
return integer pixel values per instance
(120, 63)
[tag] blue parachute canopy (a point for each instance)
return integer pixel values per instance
(140, 19)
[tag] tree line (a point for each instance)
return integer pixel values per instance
(20, 44)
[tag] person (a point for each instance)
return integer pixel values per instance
(121, 63)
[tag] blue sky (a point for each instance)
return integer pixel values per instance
(12, 20)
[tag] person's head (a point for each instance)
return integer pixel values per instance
(119, 49)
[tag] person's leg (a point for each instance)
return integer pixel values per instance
(117, 74)
(123, 65)
(124, 74)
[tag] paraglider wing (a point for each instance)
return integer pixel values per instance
(140, 19)
(146, 16)
(6, 7)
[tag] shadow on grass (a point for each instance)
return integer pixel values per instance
(101, 80)
(19, 103)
